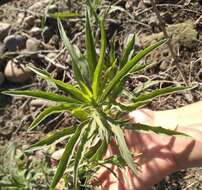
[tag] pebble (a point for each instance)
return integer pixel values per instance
(47, 34)
(51, 55)
(38, 22)
(32, 44)
(21, 41)
(1, 78)
(36, 32)
(17, 73)
(39, 5)
(11, 43)
(199, 75)
(52, 9)
(147, 2)
(57, 154)
(2, 49)
(29, 22)
(4, 29)
(163, 66)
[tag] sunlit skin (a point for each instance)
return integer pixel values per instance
(161, 155)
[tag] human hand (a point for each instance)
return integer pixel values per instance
(161, 155)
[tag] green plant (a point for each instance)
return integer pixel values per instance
(100, 82)
(20, 171)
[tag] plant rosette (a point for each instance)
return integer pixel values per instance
(100, 83)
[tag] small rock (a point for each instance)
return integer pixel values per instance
(17, 73)
(2, 49)
(1, 78)
(29, 22)
(47, 34)
(52, 9)
(147, 2)
(163, 66)
(4, 29)
(57, 154)
(153, 21)
(32, 44)
(11, 43)
(38, 22)
(36, 7)
(21, 41)
(199, 75)
(20, 18)
(36, 32)
(51, 55)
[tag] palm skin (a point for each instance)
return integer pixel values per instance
(160, 156)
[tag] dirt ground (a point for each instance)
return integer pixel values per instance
(183, 20)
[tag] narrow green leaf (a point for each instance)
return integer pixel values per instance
(103, 126)
(75, 92)
(49, 111)
(115, 160)
(112, 52)
(142, 88)
(42, 73)
(129, 66)
(90, 46)
(134, 106)
(86, 90)
(118, 88)
(71, 50)
(147, 128)
(158, 92)
(127, 51)
(41, 94)
(65, 87)
(123, 148)
(52, 138)
(101, 151)
(80, 113)
(66, 157)
(64, 15)
(99, 67)
(144, 99)
(80, 154)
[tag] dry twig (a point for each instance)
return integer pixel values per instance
(176, 59)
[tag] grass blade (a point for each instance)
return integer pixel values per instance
(159, 92)
(52, 138)
(147, 128)
(80, 154)
(65, 87)
(99, 67)
(101, 150)
(64, 15)
(112, 52)
(66, 157)
(133, 106)
(127, 52)
(129, 66)
(49, 111)
(90, 46)
(144, 99)
(71, 50)
(41, 94)
(123, 148)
